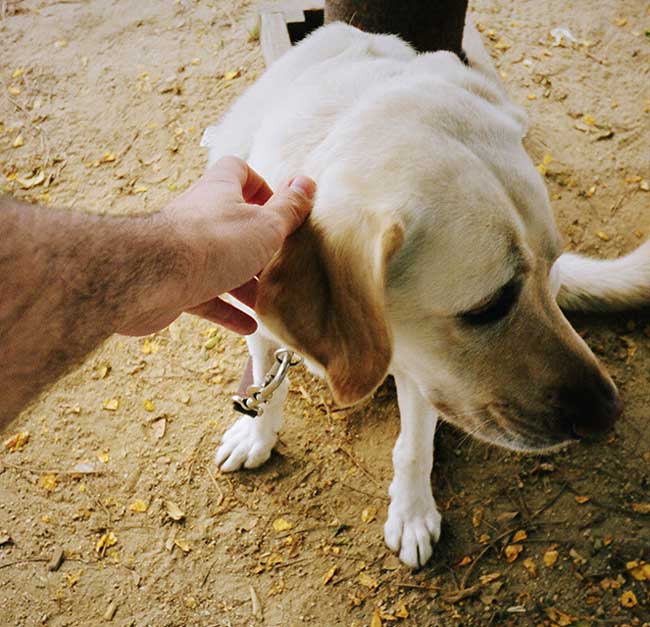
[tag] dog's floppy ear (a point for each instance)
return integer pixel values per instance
(323, 294)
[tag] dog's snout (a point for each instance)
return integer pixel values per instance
(589, 408)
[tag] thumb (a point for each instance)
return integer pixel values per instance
(292, 204)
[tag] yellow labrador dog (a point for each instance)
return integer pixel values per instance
(431, 254)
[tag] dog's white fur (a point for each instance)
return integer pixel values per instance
(383, 131)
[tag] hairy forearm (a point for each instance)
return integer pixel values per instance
(67, 282)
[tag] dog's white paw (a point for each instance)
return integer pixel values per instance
(411, 529)
(245, 445)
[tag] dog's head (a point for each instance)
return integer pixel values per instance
(431, 248)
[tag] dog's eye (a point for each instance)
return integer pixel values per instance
(496, 308)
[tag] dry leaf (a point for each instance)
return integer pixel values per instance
(102, 456)
(578, 560)
(519, 536)
(562, 619)
(641, 508)
(583, 499)
(14, 91)
(368, 514)
(602, 235)
(639, 570)
(327, 577)
(465, 561)
(111, 404)
(512, 552)
(280, 524)
(174, 511)
(589, 119)
(376, 619)
(159, 427)
(48, 482)
(628, 599)
(367, 581)
(148, 405)
(107, 157)
(17, 441)
(501, 44)
(27, 182)
(401, 610)
(489, 578)
(149, 347)
(19, 141)
(228, 76)
(106, 541)
(477, 516)
(529, 565)
(138, 506)
(183, 545)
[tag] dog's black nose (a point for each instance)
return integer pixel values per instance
(589, 409)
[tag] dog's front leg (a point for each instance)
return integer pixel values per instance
(413, 523)
(249, 441)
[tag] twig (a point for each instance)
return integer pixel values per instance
(359, 465)
(216, 485)
(373, 496)
(25, 561)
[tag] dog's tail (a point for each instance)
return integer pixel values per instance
(605, 285)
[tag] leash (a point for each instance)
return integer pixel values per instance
(257, 396)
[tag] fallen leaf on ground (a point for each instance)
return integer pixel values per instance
(174, 511)
(465, 561)
(106, 541)
(138, 506)
(529, 565)
(228, 76)
(111, 404)
(558, 617)
(48, 482)
(584, 499)
(327, 577)
(102, 456)
(401, 611)
(17, 441)
(280, 524)
(368, 514)
(183, 545)
(159, 427)
(512, 552)
(641, 508)
(149, 347)
(486, 579)
(519, 536)
(148, 405)
(18, 142)
(550, 557)
(27, 182)
(628, 599)
(367, 581)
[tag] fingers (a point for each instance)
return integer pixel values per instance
(246, 293)
(223, 313)
(236, 177)
(293, 204)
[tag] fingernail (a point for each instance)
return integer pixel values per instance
(304, 185)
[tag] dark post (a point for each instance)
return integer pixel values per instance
(428, 25)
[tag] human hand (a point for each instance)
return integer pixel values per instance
(231, 224)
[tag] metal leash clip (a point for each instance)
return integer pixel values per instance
(257, 396)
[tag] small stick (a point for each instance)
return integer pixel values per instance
(359, 465)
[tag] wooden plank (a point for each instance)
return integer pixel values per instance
(274, 36)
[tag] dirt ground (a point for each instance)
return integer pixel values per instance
(102, 105)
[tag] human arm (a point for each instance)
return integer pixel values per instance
(70, 280)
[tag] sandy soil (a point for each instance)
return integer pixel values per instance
(108, 100)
